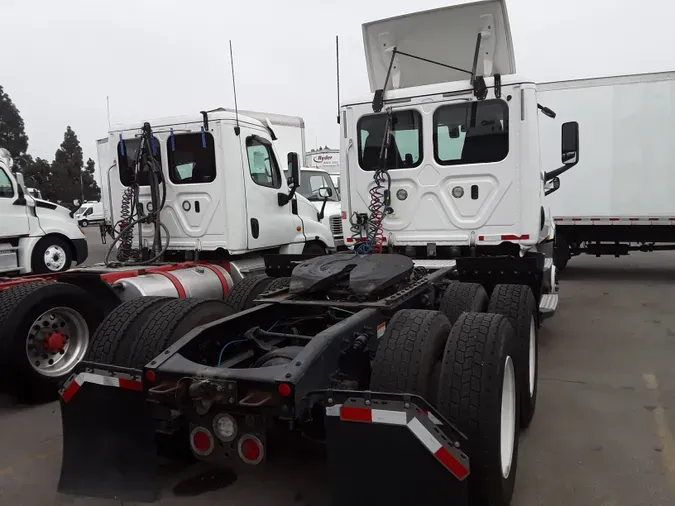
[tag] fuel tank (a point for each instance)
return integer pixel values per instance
(202, 281)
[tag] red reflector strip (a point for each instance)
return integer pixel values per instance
(434, 446)
(343, 215)
(351, 414)
(451, 463)
(129, 384)
(99, 379)
(614, 219)
(391, 417)
(70, 391)
(511, 237)
(481, 237)
(349, 239)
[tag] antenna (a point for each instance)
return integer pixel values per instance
(234, 89)
(107, 105)
(337, 62)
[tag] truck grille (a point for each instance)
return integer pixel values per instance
(336, 226)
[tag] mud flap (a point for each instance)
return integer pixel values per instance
(109, 445)
(398, 446)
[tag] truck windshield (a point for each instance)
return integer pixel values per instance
(310, 183)
(475, 132)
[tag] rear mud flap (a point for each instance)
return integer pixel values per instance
(399, 449)
(109, 445)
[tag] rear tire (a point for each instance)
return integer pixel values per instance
(461, 298)
(113, 339)
(409, 353)
(169, 323)
(478, 393)
(243, 294)
(517, 303)
(36, 320)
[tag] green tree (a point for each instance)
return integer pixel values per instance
(12, 132)
(64, 182)
(37, 173)
(91, 189)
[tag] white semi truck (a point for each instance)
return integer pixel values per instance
(36, 236)
(620, 198)
(414, 359)
(196, 202)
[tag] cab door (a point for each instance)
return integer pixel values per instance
(269, 224)
(14, 217)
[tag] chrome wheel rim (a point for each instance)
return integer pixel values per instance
(57, 341)
(55, 258)
(508, 418)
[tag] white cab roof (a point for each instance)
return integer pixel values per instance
(446, 35)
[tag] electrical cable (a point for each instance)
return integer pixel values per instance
(379, 197)
(220, 355)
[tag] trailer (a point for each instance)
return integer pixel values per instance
(413, 357)
(196, 203)
(619, 200)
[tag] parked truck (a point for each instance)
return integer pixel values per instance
(195, 203)
(413, 358)
(620, 199)
(36, 236)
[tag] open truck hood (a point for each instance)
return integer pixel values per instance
(446, 35)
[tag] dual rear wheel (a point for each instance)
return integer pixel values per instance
(477, 368)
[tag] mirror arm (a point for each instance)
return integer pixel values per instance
(323, 209)
(556, 172)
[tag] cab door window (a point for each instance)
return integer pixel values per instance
(6, 188)
(262, 164)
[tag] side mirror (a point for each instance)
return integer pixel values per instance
(569, 150)
(570, 143)
(325, 192)
(552, 186)
(293, 180)
(294, 168)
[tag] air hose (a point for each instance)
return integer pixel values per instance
(132, 212)
(380, 200)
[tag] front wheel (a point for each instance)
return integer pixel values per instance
(314, 248)
(51, 254)
(84, 223)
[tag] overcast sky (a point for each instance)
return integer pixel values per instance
(60, 59)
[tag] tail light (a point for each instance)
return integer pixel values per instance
(251, 449)
(201, 441)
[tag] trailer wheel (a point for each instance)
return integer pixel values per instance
(517, 303)
(113, 339)
(478, 393)
(44, 333)
(169, 323)
(409, 353)
(460, 297)
(51, 254)
(243, 294)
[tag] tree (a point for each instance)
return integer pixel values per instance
(37, 173)
(12, 133)
(91, 189)
(64, 182)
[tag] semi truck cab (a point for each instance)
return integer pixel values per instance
(36, 236)
(448, 138)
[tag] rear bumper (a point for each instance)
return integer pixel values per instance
(81, 250)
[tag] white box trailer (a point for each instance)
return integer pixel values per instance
(620, 197)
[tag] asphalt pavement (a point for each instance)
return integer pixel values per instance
(602, 434)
